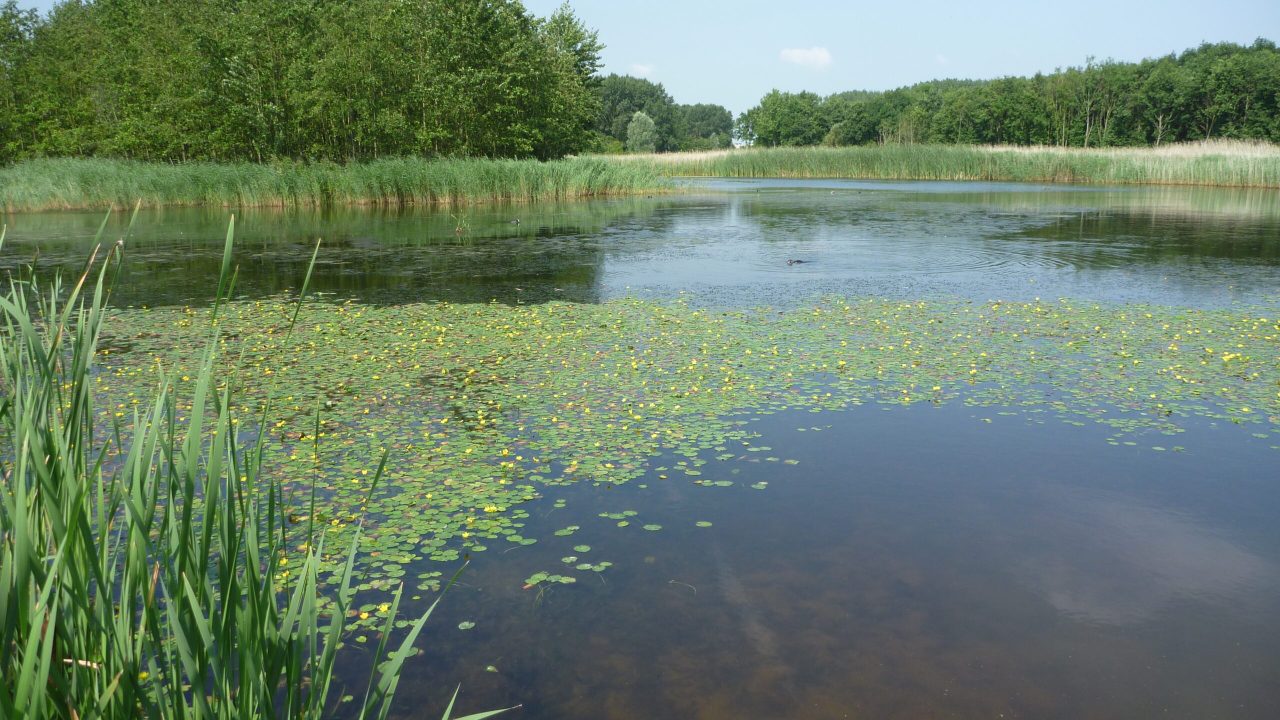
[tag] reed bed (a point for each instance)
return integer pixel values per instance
(1228, 164)
(143, 567)
(92, 183)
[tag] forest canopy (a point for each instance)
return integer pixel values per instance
(1218, 90)
(261, 80)
(300, 79)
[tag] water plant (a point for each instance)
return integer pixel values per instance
(146, 566)
(102, 183)
(1215, 163)
(487, 408)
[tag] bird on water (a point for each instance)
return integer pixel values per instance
(796, 262)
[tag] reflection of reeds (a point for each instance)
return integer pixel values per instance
(99, 183)
(143, 568)
(1222, 163)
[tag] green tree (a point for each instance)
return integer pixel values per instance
(642, 134)
(784, 118)
(621, 96)
(574, 103)
(1162, 100)
(17, 30)
(264, 79)
(704, 127)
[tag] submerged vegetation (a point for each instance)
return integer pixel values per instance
(483, 408)
(147, 567)
(1231, 164)
(102, 183)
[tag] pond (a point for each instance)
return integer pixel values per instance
(988, 450)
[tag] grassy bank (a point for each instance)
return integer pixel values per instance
(92, 183)
(65, 184)
(1228, 164)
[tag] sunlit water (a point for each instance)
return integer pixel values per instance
(917, 561)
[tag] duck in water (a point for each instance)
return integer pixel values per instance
(796, 262)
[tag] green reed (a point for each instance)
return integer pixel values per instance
(1222, 164)
(70, 183)
(143, 570)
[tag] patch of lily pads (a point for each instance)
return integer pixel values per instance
(481, 409)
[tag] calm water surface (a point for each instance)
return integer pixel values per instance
(725, 245)
(917, 561)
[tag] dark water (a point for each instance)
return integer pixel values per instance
(918, 561)
(973, 240)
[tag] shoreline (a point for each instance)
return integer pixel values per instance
(1209, 164)
(98, 184)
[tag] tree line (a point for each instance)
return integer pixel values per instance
(315, 80)
(299, 79)
(1221, 90)
(675, 127)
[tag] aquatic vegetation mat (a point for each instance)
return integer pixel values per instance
(483, 408)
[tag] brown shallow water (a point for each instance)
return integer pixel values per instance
(918, 562)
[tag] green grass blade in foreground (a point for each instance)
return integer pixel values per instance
(153, 587)
(448, 711)
(225, 279)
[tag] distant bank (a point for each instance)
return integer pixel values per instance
(67, 184)
(1217, 163)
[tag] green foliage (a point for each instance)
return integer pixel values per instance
(784, 118)
(145, 565)
(17, 27)
(704, 127)
(295, 79)
(1214, 91)
(642, 135)
(622, 96)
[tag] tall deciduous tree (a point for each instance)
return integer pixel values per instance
(265, 79)
(621, 96)
(642, 133)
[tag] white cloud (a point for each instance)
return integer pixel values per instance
(641, 70)
(815, 57)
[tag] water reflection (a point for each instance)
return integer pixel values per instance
(1116, 560)
(918, 562)
(1190, 246)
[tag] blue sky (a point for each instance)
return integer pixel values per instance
(733, 52)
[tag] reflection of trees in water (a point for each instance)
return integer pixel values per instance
(560, 251)
(1096, 228)
(466, 254)
(1154, 237)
